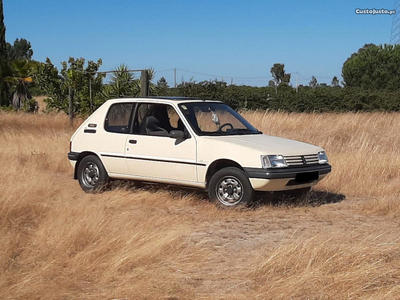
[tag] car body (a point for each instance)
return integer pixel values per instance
(187, 141)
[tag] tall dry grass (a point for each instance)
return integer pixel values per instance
(156, 242)
(363, 148)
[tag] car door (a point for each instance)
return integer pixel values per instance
(151, 153)
(116, 132)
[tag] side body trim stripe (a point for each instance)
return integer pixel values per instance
(152, 159)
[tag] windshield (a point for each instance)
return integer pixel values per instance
(215, 119)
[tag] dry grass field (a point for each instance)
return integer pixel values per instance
(159, 242)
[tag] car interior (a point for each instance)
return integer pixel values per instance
(156, 121)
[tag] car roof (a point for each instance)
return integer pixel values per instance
(162, 99)
(174, 98)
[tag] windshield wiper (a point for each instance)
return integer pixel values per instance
(245, 130)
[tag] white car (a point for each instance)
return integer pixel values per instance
(190, 142)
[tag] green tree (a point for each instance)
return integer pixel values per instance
(85, 83)
(19, 82)
(162, 87)
(271, 83)
(279, 76)
(322, 99)
(48, 80)
(162, 83)
(20, 49)
(3, 44)
(4, 68)
(122, 84)
(373, 67)
(313, 82)
(335, 81)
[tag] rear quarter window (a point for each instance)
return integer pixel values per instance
(119, 117)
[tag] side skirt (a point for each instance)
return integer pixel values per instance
(200, 185)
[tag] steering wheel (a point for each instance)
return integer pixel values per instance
(224, 125)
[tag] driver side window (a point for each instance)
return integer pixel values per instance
(156, 120)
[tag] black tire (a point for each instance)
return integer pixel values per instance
(92, 175)
(224, 185)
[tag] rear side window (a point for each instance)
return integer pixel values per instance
(118, 118)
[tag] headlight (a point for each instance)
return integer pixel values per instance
(273, 161)
(322, 157)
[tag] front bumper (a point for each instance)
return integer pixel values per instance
(286, 178)
(286, 172)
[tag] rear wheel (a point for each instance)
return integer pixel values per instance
(230, 187)
(92, 175)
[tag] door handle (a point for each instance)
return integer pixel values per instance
(132, 141)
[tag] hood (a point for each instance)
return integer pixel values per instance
(270, 145)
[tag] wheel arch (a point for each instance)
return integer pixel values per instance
(81, 156)
(219, 164)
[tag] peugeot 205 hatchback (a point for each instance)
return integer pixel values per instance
(190, 142)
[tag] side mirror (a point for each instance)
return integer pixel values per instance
(177, 134)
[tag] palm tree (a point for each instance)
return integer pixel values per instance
(124, 84)
(21, 68)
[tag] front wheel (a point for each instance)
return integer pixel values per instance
(92, 175)
(230, 187)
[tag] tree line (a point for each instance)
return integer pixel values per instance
(371, 81)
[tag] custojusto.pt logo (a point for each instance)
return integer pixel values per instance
(374, 11)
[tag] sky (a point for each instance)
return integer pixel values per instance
(223, 39)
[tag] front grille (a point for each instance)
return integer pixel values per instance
(302, 160)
